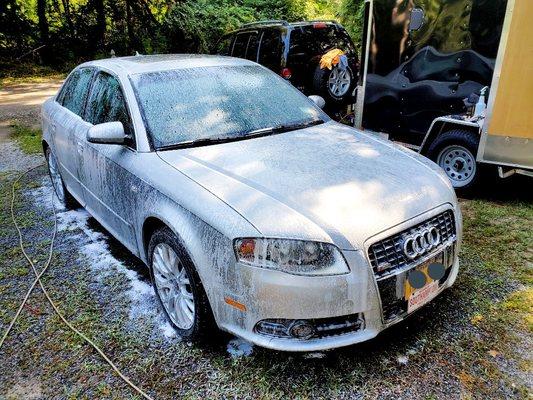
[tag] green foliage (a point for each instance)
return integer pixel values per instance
(72, 31)
(195, 26)
(17, 31)
(351, 15)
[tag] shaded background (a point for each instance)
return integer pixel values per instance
(63, 33)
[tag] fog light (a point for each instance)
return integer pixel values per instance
(302, 330)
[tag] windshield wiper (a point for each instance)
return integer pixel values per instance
(248, 135)
(282, 128)
(197, 143)
(299, 125)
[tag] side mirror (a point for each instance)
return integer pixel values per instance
(107, 133)
(318, 100)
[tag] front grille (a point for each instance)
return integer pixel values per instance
(387, 255)
(323, 327)
(326, 327)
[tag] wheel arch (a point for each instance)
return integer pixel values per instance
(441, 126)
(45, 145)
(150, 225)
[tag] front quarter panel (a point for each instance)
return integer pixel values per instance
(205, 225)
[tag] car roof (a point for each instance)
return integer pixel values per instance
(163, 62)
(282, 25)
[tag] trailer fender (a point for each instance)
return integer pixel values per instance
(445, 124)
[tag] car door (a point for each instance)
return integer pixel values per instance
(109, 188)
(67, 124)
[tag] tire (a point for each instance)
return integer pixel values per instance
(455, 152)
(321, 85)
(202, 322)
(61, 191)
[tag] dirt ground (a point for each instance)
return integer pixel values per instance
(474, 341)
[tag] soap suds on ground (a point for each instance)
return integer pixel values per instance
(93, 247)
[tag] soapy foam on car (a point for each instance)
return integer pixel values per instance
(96, 250)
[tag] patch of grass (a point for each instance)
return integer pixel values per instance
(28, 139)
(520, 305)
(458, 346)
(16, 72)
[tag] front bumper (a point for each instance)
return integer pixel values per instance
(269, 294)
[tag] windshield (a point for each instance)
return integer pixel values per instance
(224, 102)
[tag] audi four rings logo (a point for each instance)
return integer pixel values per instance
(421, 242)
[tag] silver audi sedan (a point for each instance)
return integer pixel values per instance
(253, 210)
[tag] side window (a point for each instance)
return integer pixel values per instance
(239, 48)
(251, 50)
(224, 46)
(75, 92)
(107, 104)
(270, 50)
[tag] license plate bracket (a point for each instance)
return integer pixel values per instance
(417, 297)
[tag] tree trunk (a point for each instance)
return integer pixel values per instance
(44, 31)
(68, 18)
(100, 24)
(129, 27)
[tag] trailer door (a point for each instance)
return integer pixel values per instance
(507, 137)
(424, 58)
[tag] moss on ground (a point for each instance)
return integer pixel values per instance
(28, 139)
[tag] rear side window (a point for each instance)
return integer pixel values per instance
(241, 42)
(270, 50)
(251, 50)
(74, 93)
(107, 103)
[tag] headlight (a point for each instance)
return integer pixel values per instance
(293, 256)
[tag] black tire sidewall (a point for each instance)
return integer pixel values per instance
(202, 315)
(69, 202)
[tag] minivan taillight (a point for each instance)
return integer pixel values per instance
(286, 73)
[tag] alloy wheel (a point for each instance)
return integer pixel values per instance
(339, 82)
(173, 285)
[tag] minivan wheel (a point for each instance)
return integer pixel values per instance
(65, 198)
(178, 287)
(334, 84)
(455, 152)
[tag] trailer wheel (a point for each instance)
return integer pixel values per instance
(455, 152)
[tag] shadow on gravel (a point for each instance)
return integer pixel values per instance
(120, 252)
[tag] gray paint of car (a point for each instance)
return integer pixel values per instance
(329, 182)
